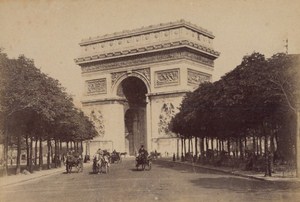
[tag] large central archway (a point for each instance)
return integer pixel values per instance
(134, 90)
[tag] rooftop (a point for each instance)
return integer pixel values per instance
(147, 29)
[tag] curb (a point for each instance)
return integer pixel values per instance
(229, 172)
(55, 171)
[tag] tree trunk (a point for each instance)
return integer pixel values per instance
(257, 146)
(67, 146)
(41, 155)
(236, 147)
(30, 155)
(55, 153)
(18, 166)
(189, 148)
(192, 146)
(267, 157)
(260, 145)
(196, 146)
(254, 144)
(228, 146)
(177, 155)
(48, 154)
(223, 145)
(27, 152)
(60, 153)
(35, 151)
(272, 149)
(182, 146)
(202, 146)
(51, 152)
(5, 150)
(267, 152)
(241, 148)
(206, 143)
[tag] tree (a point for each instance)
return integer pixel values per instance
(36, 107)
(254, 99)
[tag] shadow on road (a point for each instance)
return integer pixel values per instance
(135, 170)
(228, 181)
(243, 185)
(184, 168)
(72, 172)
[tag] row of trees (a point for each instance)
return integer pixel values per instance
(34, 108)
(256, 100)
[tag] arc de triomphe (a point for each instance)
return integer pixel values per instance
(135, 80)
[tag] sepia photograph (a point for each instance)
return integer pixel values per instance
(149, 100)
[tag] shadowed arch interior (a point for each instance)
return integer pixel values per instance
(135, 91)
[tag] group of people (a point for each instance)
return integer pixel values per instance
(101, 153)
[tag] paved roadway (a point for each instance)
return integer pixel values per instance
(165, 182)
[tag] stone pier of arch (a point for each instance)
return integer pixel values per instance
(134, 82)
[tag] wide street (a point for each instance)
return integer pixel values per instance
(164, 182)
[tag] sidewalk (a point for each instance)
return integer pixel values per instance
(20, 178)
(278, 177)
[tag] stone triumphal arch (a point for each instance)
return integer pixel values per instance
(135, 80)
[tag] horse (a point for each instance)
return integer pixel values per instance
(100, 162)
(115, 157)
(73, 161)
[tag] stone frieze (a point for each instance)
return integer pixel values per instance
(147, 59)
(96, 86)
(196, 77)
(166, 77)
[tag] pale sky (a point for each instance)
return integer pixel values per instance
(49, 31)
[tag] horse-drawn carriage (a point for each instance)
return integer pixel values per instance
(74, 161)
(143, 161)
(115, 157)
(101, 162)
